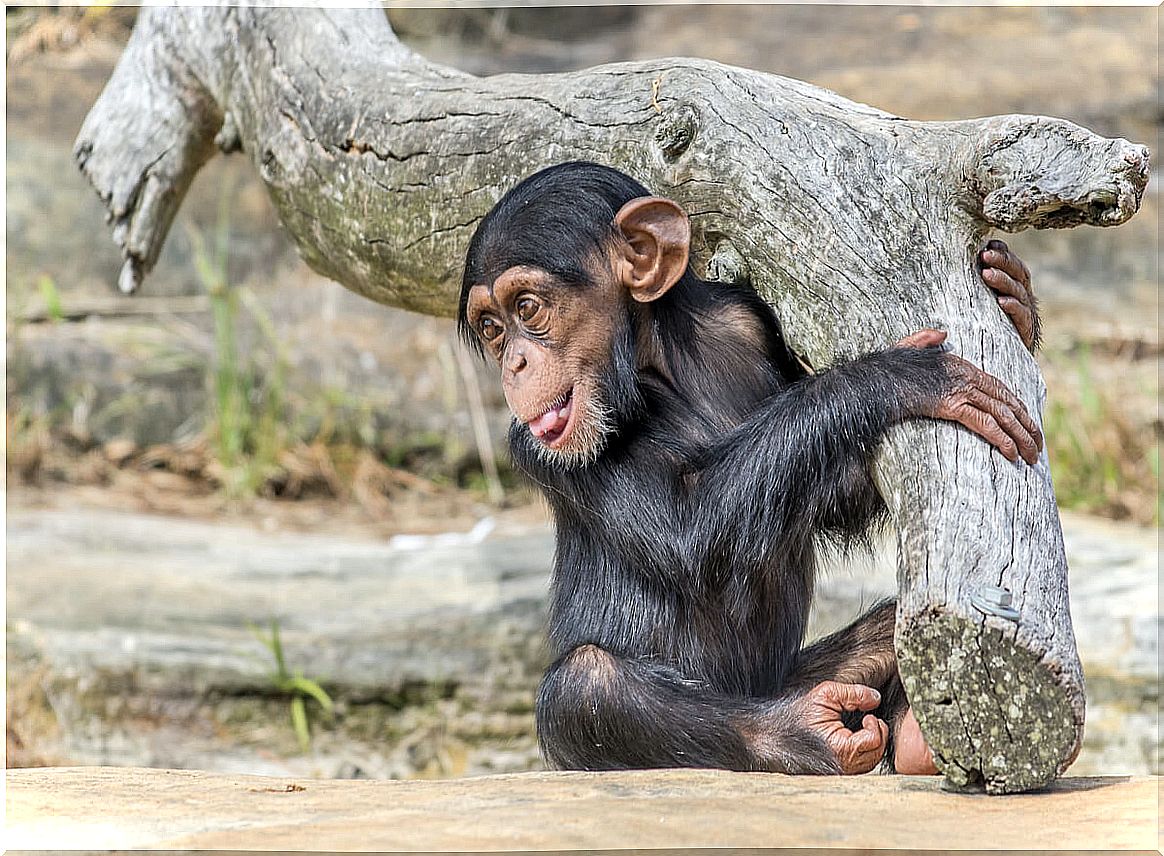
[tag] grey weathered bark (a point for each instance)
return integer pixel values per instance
(860, 227)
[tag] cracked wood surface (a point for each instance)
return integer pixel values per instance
(858, 226)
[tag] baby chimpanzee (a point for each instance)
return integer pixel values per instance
(690, 462)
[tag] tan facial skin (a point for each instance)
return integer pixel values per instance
(551, 341)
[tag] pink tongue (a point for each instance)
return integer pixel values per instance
(554, 421)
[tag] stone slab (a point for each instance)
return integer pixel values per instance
(173, 601)
(126, 609)
(98, 808)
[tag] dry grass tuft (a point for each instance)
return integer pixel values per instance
(375, 484)
(1103, 433)
(31, 726)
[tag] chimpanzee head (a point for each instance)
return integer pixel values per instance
(551, 277)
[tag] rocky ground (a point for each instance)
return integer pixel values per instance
(131, 640)
(133, 574)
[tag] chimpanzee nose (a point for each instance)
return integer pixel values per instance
(516, 361)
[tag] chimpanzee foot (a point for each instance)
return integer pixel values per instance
(911, 756)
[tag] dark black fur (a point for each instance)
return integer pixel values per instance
(685, 553)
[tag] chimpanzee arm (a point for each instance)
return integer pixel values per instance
(598, 711)
(800, 463)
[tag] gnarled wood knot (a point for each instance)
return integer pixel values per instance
(727, 265)
(677, 130)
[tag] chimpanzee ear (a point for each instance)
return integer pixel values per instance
(654, 256)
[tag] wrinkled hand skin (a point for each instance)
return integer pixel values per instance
(980, 402)
(1006, 275)
(821, 709)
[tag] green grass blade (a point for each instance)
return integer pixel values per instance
(51, 298)
(299, 721)
(277, 650)
(308, 687)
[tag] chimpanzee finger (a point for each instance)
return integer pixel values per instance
(837, 696)
(1024, 319)
(998, 390)
(867, 737)
(859, 751)
(1020, 314)
(1001, 281)
(998, 255)
(987, 427)
(1006, 419)
(880, 726)
(870, 742)
(927, 338)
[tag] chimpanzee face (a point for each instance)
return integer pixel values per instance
(553, 342)
(564, 342)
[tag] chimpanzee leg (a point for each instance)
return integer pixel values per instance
(861, 653)
(597, 711)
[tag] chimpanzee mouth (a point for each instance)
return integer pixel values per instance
(554, 426)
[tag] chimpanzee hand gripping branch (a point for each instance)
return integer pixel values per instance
(691, 462)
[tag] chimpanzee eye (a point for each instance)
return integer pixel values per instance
(490, 329)
(527, 309)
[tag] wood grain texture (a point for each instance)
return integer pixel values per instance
(55, 809)
(858, 226)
